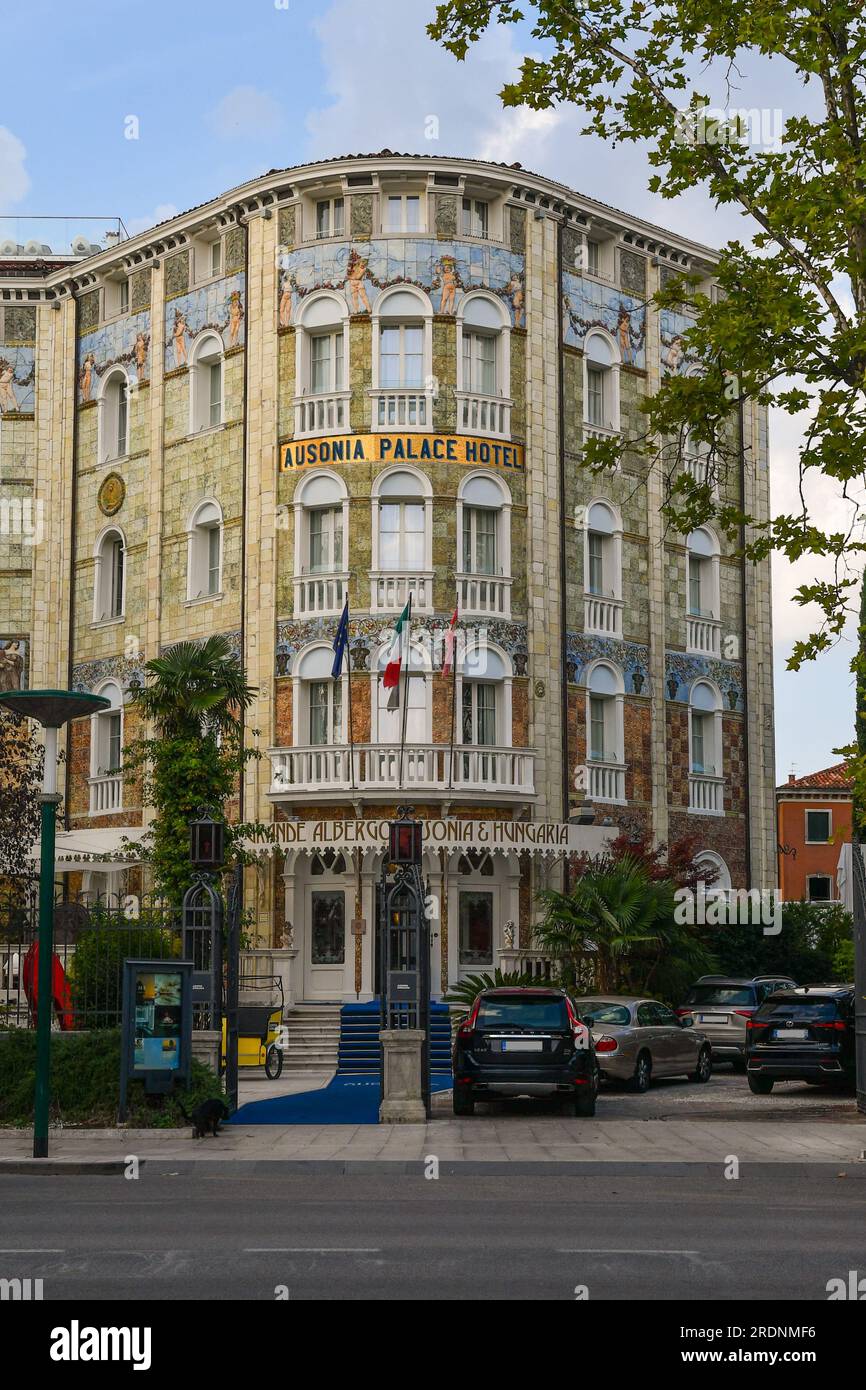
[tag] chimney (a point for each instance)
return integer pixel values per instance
(791, 779)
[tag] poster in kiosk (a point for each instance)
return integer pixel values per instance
(157, 1025)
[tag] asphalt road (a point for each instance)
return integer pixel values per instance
(778, 1232)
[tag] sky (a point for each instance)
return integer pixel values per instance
(222, 92)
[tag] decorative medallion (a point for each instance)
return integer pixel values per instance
(111, 494)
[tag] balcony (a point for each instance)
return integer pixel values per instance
(606, 779)
(478, 414)
(320, 595)
(484, 595)
(602, 614)
(703, 634)
(106, 793)
(325, 414)
(598, 431)
(402, 409)
(390, 590)
(497, 774)
(706, 793)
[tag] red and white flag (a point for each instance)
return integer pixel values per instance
(394, 665)
(450, 636)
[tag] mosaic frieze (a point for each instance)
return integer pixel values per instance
(128, 672)
(286, 226)
(13, 663)
(361, 214)
(587, 304)
(17, 378)
(682, 670)
(446, 215)
(235, 248)
(517, 230)
(632, 272)
(446, 270)
(139, 290)
(20, 324)
(177, 274)
(88, 311)
(219, 305)
(124, 342)
(366, 635)
(631, 657)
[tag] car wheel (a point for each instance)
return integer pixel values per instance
(585, 1098)
(704, 1069)
(273, 1062)
(568, 1107)
(760, 1085)
(462, 1103)
(643, 1074)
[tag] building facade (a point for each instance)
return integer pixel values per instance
(815, 824)
(372, 379)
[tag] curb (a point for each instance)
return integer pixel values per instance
(64, 1167)
(397, 1167)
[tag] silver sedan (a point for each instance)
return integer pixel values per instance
(637, 1039)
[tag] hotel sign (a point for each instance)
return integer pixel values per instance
(534, 837)
(400, 448)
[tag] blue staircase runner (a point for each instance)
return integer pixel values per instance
(346, 1100)
(360, 1049)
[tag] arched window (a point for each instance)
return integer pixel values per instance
(321, 339)
(484, 697)
(483, 366)
(106, 752)
(605, 739)
(484, 540)
(109, 587)
(705, 748)
(402, 358)
(402, 541)
(388, 707)
(319, 699)
(703, 626)
(321, 504)
(601, 363)
(205, 551)
(113, 419)
(206, 383)
(716, 868)
(602, 570)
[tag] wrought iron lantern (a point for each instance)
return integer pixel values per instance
(404, 838)
(207, 843)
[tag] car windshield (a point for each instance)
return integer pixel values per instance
(722, 996)
(519, 1011)
(811, 1009)
(599, 1011)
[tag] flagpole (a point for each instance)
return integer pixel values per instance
(349, 678)
(408, 650)
(453, 708)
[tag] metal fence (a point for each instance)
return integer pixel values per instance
(93, 936)
(859, 885)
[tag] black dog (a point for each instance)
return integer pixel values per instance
(205, 1119)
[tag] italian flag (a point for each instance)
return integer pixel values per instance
(394, 665)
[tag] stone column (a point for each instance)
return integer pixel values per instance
(401, 1086)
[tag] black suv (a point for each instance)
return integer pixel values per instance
(524, 1042)
(804, 1034)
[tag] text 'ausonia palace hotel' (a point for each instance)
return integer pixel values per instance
(372, 378)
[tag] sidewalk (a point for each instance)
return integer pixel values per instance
(545, 1145)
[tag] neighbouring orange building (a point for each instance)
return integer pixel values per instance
(814, 822)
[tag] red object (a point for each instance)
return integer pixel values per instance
(61, 992)
(606, 1045)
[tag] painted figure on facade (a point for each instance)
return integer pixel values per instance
(623, 333)
(674, 354)
(356, 269)
(86, 378)
(8, 399)
(11, 666)
(179, 334)
(286, 298)
(236, 313)
(514, 291)
(142, 341)
(446, 268)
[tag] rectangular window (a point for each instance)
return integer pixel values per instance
(592, 257)
(819, 888)
(699, 741)
(329, 217)
(817, 827)
(403, 213)
(325, 712)
(215, 393)
(326, 362)
(596, 563)
(695, 586)
(116, 591)
(476, 928)
(213, 560)
(113, 742)
(326, 539)
(595, 396)
(122, 419)
(124, 296)
(216, 257)
(328, 937)
(597, 724)
(485, 714)
(401, 356)
(479, 363)
(474, 217)
(485, 540)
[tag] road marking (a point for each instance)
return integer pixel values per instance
(576, 1250)
(312, 1250)
(51, 1250)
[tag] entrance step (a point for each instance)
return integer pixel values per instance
(312, 1037)
(360, 1048)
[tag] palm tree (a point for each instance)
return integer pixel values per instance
(195, 688)
(614, 910)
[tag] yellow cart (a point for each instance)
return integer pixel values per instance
(260, 1024)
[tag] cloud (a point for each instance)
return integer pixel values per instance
(245, 113)
(161, 213)
(14, 179)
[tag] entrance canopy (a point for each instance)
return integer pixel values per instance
(113, 849)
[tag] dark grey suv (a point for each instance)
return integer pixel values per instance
(721, 1006)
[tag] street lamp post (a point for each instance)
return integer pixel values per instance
(51, 709)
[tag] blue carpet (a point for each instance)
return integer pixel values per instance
(346, 1100)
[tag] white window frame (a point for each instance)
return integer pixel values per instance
(831, 878)
(614, 714)
(611, 553)
(331, 201)
(713, 719)
(420, 659)
(202, 257)
(387, 194)
(301, 689)
(104, 587)
(611, 419)
(502, 684)
(198, 566)
(381, 318)
(303, 509)
(820, 811)
(469, 214)
(101, 737)
(423, 496)
(503, 520)
(114, 392)
(707, 567)
(208, 351)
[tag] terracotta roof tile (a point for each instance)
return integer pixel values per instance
(834, 778)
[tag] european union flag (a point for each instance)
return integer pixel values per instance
(340, 642)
